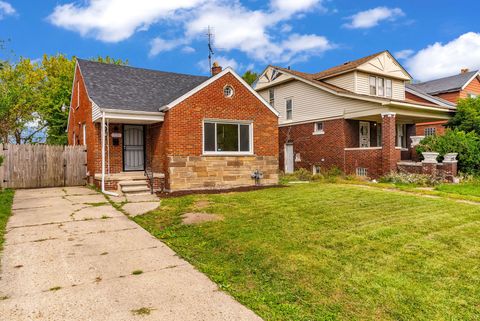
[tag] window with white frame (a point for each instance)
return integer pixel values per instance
(316, 169)
(271, 96)
(318, 127)
(388, 88)
(429, 131)
(361, 171)
(84, 134)
(401, 135)
(381, 87)
(227, 137)
(373, 85)
(470, 95)
(289, 109)
(78, 94)
(228, 91)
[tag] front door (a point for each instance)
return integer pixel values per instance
(289, 161)
(364, 134)
(133, 148)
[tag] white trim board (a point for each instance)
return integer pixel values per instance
(210, 81)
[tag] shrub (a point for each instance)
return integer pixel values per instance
(467, 145)
(410, 179)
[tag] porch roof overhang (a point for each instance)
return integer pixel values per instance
(129, 116)
(405, 112)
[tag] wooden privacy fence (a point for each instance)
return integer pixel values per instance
(31, 166)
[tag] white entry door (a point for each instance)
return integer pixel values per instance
(289, 158)
(364, 134)
(133, 148)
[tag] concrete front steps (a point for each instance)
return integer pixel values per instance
(134, 187)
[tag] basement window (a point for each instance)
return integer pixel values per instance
(229, 137)
(429, 131)
(316, 169)
(361, 171)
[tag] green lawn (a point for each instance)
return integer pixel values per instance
(470, 189)
(6, 199)
(333, 252)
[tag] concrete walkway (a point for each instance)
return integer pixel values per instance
(69, 255)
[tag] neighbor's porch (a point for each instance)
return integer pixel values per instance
(376, 141)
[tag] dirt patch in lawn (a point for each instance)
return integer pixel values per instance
(201, 204)
(198, 218)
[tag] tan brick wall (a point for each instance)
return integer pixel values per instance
(206, 172)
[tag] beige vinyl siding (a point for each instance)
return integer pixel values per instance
(398, 86)
(312, 103)
(345, 81)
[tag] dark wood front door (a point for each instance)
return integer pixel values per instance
(133, 148)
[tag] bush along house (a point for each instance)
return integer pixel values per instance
(145, 128)
(354, 116)
(443, 92)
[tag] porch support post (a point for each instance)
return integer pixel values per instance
(389, 159)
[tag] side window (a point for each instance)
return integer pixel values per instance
(373, 85)
(288, 109)
(381, 87)
(429, 131)
(388, 87)
(271, 95)
(318, 127)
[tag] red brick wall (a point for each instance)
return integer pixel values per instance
(390, 155)
(326, 150)
(410, 96)
(439, 128)
(181, 133)
(472, 88)
(82, 113)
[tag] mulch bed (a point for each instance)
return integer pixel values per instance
(216, 191)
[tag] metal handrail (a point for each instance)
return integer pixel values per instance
(149, 174)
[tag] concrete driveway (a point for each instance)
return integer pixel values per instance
(69, 255)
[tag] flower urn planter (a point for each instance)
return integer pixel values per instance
(430, 157)
(450, 157)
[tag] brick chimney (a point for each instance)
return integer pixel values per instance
(216, 69)
(464, 70)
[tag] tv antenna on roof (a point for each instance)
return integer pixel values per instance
(210, 36)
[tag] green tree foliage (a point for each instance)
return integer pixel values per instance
(20, 98)
(250, 77)
(467, 117)
(467, 145)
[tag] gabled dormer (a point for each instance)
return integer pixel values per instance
(378, 75)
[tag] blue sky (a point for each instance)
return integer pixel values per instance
(430, 38)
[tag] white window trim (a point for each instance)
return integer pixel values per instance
(318, 132)
(384, 86)
(271, 100)
(286, 111)
(84, 133)
(233, 122)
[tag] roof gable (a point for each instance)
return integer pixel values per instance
(211, 80)
(385, 64)
(128, 88)
(447, 84)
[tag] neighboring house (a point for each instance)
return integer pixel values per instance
(193, 132)
(443, 91)
(354, 116)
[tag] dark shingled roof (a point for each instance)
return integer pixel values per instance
(127, 88)
(447, 84)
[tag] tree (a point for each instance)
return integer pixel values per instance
(467, 117)
(250, 77)
(19, 101)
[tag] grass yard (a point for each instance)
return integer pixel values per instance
(6, 199)
(333, 252)
(469, 189)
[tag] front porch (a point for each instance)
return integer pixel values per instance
(128, 155)
(376, 143)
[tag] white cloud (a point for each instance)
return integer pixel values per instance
(253, 32)
(6, 9)
(223, 61)
(441, 60)
(404, 54)
(188, 49)
(116, 20)
(158, 45)
(372, 17)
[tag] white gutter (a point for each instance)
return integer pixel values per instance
(103, 158)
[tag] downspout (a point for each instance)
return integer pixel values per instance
(103, 158)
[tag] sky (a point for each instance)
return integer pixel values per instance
(431, 39)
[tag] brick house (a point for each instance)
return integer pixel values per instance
(443, 91)
(354, 116)
(185, 132)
